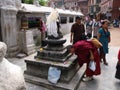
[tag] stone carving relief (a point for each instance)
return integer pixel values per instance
(36, 2)
(18, 4)
(10, 3)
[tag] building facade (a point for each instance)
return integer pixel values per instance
(76, 5)
(110, 8)
(106, 7)
(115, 9)
(94, 7)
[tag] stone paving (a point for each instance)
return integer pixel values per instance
(105, 81)
(21, 63)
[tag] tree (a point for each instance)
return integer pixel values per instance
(41, 2)
(28, 1)
(23, 1)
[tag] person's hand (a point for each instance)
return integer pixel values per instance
(72, 50)
(70, 40)
(119, 62)
(91, 58)
(91, 55)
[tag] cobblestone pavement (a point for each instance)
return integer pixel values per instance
(105, 81)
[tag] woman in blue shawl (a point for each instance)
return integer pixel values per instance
(104, 38)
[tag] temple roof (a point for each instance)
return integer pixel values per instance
(42, 9)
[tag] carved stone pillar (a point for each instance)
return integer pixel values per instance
(9, 32)
(8, 27)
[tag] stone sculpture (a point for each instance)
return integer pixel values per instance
(36, 2)
(11, 76)
(52, 25)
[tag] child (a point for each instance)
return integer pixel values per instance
(117, 75)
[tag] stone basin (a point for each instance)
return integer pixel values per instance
(54, 42)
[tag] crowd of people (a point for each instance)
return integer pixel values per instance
(116, 22)
(90, 43)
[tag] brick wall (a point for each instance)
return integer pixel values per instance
(115, 10)
(74, 4)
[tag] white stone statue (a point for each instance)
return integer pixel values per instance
(51, 23)
(18, 4)
(11, 76)
(9, 3)
(36, 2)
(52, 5)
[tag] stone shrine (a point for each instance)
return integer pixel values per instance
(55, 54)
(38, 66)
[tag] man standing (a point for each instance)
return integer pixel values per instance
(89, 28)
(77, 31)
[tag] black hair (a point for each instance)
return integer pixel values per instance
(103, 22)
(69, 47)
(78, 18)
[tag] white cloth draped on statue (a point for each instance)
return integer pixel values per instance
(51, 23)
(52, 29)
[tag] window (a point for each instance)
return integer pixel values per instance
(33, 22)
(71, 19)
(63, 20)
(24, 22)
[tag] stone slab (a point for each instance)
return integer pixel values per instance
(21, 55)
(40, 68)
(27, 42)
(72, 85)
(66, 64)
(54, 59)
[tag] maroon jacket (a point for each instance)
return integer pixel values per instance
(119, 55)
(82, 50)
